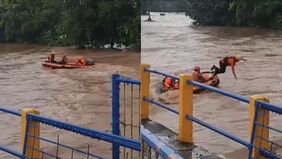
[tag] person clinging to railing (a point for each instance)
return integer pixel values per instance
(197, 75)
(170, 83)
(227, 61)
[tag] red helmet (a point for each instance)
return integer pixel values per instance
(197, 68)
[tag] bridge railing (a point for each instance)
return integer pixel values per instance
(259, 144)
(6, 149)
(151, 146)
(31, 139)
(125, 112)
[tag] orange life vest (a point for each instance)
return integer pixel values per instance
(169, 83)
(81, 61)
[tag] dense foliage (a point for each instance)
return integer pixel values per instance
(162, 6)
(264, 13)
(209, 12)
(84, 23)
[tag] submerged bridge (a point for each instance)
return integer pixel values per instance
(132, 97)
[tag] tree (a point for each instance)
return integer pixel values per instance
(262, 13)
(84, 23)
(210, 12)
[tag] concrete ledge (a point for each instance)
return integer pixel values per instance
(170, 139)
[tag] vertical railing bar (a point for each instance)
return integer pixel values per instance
(257, 106)
(150, 153)
(26, 136)
(280, 146)
(88, 151)
(33, 141)
(116, 114)
(156, 155)
(131, 116)
(142, 148)
(139, 120)
(57, 151)
(124, 117)
(42, 155)
(262, 128)
(271, 146)
(71, 153)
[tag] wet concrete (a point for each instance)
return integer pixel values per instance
(170, 139)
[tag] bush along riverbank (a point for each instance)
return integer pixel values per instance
(84, 23)
(262, 13)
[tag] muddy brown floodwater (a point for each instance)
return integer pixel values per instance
(78, 96)
(172, 43)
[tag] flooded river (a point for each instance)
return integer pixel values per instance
(78, 96)
(172, 43)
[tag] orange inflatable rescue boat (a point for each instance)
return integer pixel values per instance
(66, 64)
(62, 66)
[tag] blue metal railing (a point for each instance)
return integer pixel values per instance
(271, 107)
(12, 152)
(265, 153)
(161, 73)
(91, 133)
(250, 144)
(220, 131)
(87, 154)
(122, 141)
(219, 91)
(9, 111)
(115, 112)
(127, 80)
(117, 80)
(160, 105)
(5, 149)
(163, 150)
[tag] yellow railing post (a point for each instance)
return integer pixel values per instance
(260, 132)
(145, 91)
(33, 131)
(185, 108)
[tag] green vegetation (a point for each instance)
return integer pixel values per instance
(84, 23)
(264, 13)
(162, 6)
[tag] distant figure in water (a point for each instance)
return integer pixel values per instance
(227, 61)
(149, 18)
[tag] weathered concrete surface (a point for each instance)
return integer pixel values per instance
(167, 136)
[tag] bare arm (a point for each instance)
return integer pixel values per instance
(233, 71)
